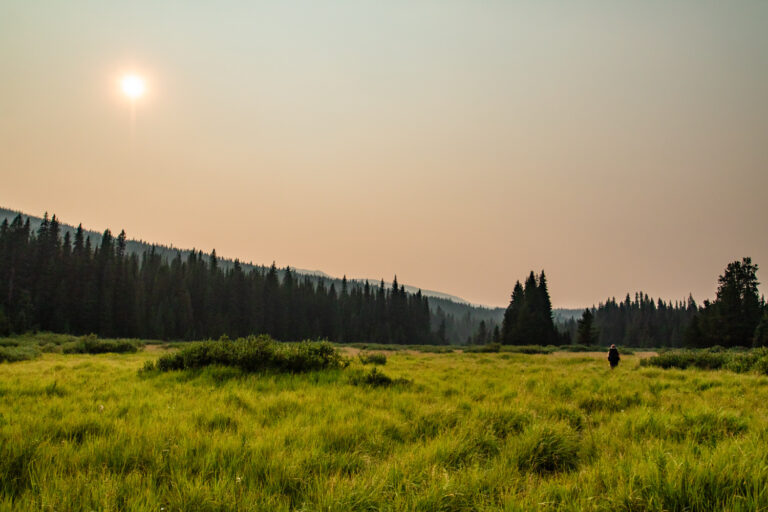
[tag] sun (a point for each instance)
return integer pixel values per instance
(133, 86)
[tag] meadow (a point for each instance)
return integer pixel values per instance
(423, 431)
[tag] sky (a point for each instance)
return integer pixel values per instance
(619, 146)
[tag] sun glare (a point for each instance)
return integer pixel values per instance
(133, 86)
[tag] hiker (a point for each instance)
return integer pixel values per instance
(613, 356)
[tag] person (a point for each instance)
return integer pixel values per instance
(613, 356)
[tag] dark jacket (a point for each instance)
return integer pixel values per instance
(613, 356)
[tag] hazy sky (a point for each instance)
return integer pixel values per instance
(617, 145)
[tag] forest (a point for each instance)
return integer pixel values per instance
(53, 278)
(452, 320)
(738, 317)
(63, 284)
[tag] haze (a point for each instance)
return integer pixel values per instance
(617, 145)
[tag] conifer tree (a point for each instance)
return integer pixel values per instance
(510, 332)
(587, 334)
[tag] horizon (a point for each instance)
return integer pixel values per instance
(458, 146)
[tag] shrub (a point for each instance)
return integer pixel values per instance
(761, 365)
(92, 345)
(713, 358)
(254, 354)
(372, 358)
(13, 354)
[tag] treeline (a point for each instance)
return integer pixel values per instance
(738, 317)
(63, 284)
(638, 321)
(460, 320)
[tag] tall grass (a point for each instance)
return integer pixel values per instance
(372, 358)
(471, 432)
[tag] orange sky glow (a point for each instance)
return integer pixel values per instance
(619, 146)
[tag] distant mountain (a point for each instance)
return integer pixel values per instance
(462, 317)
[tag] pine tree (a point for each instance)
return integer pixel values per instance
(548, 331)
(761, 332)
(587, 334)
(732, 319)
(510, 330)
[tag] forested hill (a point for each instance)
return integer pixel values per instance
(461, 318)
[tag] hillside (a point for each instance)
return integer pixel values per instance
(462, 318)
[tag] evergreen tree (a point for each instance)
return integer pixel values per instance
(510, 330)
(528, 318)
(481, 338)
(761, 333)
(732, 319)
(587, 333)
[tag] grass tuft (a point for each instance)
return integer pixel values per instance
(372, 358)
(548, 449)
(375, 378)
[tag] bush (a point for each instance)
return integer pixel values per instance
(254, 354)
(92, 345)
(372, 358)
(761, 365)
(714, 358)
(12, 354)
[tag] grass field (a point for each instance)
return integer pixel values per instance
(467, 431)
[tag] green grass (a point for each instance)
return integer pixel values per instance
(472, 431)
